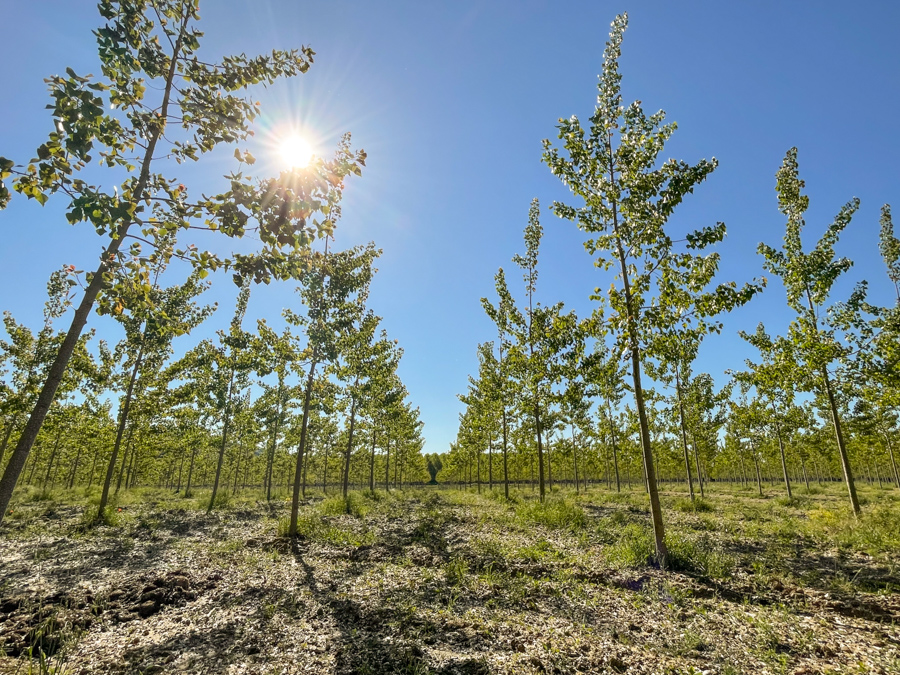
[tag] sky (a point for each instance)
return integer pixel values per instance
(451, 102)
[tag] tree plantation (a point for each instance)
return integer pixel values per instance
(213, 452)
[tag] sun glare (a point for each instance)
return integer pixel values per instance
(296, 151)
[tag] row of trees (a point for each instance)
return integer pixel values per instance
(327, 384)
(549, 371)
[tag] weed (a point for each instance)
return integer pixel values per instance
(556, 513)
(697, 505)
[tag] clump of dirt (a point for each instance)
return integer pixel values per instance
(38, 625)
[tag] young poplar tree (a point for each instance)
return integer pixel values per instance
(808, 279)
(150, 47)
(500, 315)
(334, 289)
(614, 167)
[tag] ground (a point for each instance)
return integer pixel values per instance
(432, 580)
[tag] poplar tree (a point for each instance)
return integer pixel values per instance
(808, 279)
(628, 196)
(151, 46)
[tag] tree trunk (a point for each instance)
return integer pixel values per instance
(120, 431)
(53, 456)
(540, 448)
(128, 449)
(842, 448)
(505, 462)
(226, 424)
(372, 461)
(784, 469)
(187, 489)
(615, 454)
(684, 443)
(655, 509)
(575, 461)
(295, 497)
(345, 483)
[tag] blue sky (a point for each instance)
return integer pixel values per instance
(452, 100)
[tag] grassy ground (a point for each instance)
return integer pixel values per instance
(441, 581)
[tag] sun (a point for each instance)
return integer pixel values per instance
(295, 151)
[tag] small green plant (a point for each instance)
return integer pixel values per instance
(455, 571)
(634, 547)
(556, 513)
(698, 505)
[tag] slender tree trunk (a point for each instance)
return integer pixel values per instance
(120, 431)
(295, 497)
(805, 477)
(490, 464)
(655, 508)
(842, 448)
(890, 449)
(346, 479)
(505, 462)
(615, 453)
(784, 469)
(53, 454)
(226, 427)
(187, 489)
(684, 443)
(372, 461)
(758, 477)
(180, 469)
(240, 455)
(478, 474)
(72, 474)
(129, 447)
(387, 465)
(575, 461)
(540, 448)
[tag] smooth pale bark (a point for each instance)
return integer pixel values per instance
(128, 449)
(345, 482)
(615, 453)
(372, 461)
(58, 369)
(53, 456)
(684, 443)
(842, 448)
(301, 448)
(490, 464)
(226, 427)
(187, 489)
(505, 461)
(655, 508)
(575, 461)
(890, 449)
(120, 432)
(784, 468)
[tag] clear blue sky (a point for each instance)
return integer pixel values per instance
(451, 101)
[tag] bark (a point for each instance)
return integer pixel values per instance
(615, 454)
(575, 461)
(129, 447)
(842, 448)
(655, 509)
(53, 456)
(301, 448)
(120, 431)
(345, 483)
(372, 461)
(784, 469)
(187, 488)
(226, 427)
(505, 461)
(684, 443)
